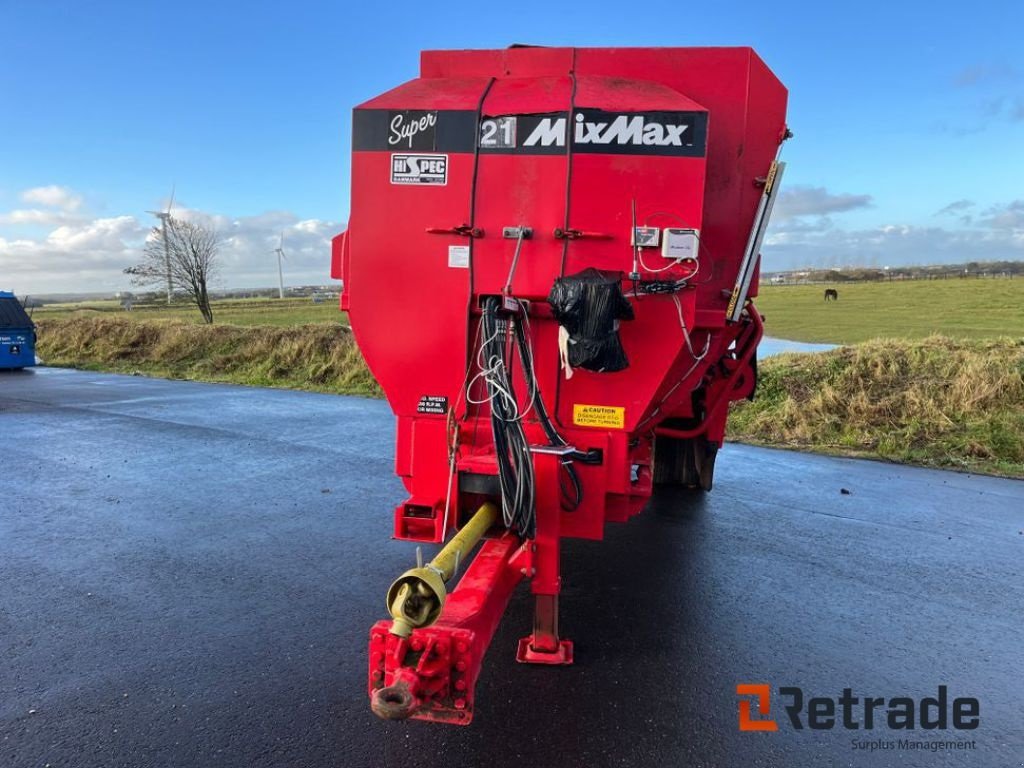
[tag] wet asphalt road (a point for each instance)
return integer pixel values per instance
(189, 572)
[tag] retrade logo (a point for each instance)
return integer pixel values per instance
(762, 694)
(851, 712)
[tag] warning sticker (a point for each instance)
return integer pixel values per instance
(610, 416)
(433, 404)
(458, 256)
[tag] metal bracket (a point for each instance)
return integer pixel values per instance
(576, 234)
(462, 229)
(517, 233)
(553, 450)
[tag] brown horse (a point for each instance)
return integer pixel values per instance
(831, 294)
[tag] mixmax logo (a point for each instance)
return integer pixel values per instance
(855, 712)
(624, 129)
(637, 130)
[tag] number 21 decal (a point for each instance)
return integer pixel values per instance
(498, 132)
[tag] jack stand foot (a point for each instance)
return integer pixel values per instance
(544, 646)
(527, 654)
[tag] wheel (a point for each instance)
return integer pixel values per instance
(689, 463)
(705, 452)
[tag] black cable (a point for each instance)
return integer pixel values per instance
(512, 449)
(569, 502)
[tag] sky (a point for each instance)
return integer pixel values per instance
(908, 119)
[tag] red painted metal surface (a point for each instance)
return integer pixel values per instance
(438, 172)
(440, 664)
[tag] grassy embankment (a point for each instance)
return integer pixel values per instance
(938, 402)
(951, 402)
(318, 357)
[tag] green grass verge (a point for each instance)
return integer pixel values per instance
(912, 309)
(935, 402)
(318, 358)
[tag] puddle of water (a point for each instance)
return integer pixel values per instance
(770, 346)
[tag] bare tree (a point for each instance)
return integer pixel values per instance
(189, 258)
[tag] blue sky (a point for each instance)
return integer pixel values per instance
(900, 109)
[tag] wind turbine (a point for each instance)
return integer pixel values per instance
(280, 276)
(164, 216)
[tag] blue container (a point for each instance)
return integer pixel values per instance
(17, 334)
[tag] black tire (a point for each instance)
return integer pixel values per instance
(689, 463)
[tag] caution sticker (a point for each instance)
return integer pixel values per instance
(609, 416)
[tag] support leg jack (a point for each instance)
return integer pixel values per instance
(544, 646)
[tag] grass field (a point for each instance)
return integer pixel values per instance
(913, 309)
(280, 312)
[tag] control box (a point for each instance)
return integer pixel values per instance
(680, 244)
(646, 237)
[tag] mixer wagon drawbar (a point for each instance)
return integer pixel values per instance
(549, 268)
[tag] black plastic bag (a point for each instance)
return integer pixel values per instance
(589, 306)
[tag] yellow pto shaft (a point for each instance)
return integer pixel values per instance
(416, 597)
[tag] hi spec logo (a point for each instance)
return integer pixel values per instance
(853, 712)
(419, 169)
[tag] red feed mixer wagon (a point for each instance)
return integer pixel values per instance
(549, 268)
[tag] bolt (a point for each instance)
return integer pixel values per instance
(417, 644)
(461, 646)
(460, 666)
(460, 685)
(460, 703)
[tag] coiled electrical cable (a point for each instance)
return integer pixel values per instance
(515, 462)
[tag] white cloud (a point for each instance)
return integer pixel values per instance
(29, 216)
(806, 236)
(53, 196)
(978, 74)
(956, 207)
(815, 201)
(1006, 217)
(891, 244)
(71, 253)
(79, 252)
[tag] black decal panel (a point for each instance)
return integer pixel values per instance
(591, 131)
